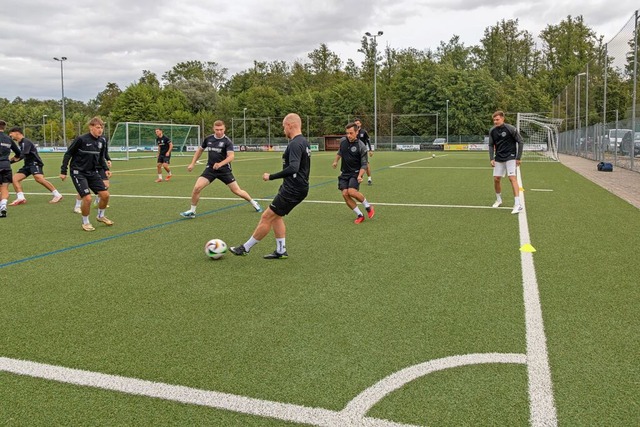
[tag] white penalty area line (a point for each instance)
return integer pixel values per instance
(354, 414)
(541, 400)
(416, 161)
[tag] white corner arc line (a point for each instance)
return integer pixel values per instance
(541, 401)
(246, 405)
(361, 404)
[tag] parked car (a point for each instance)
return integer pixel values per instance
(625, 145)
(439, 141)
(613, 138)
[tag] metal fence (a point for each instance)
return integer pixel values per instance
(599, 107)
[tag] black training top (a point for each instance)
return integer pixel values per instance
(296, 167)
(30, 153)
(218, 149)
(505, 143)
(354, 156)
(86, 153)
(163, 144)
(364, 137)
(7, 145)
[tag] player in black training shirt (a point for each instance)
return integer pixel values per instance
(505, 152)
(296, 162)
(6, 175)
(32, 166)
(221, 154)
(164, 154)
(364, 137)
(354, 162)
(86, 154)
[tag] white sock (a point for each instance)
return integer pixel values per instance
(254, 204)
(97, 199)
(369, 179)
(357, 211)
(498, 197)
(366, 204)
(280, 246)
(3, 204)
(193, 208)
(250, 243)
(159, 176)
(100, 213)
(169, 173)
(56, 193)
(516, 201)
(20, 195)
(85, 220)
(78, 203)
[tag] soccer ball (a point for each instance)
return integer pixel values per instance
(215, 248)
(433, 155)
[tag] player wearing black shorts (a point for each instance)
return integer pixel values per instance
(220, 155)
(164, 154)
(294, 189)
(7, 145)
(364, 137)
(32, 166)
(86, 154)
(354, 162)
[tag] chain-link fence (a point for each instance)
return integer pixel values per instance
(599, 107)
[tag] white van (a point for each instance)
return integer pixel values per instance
(613, 138)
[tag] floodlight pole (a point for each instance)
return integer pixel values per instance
(44, 130)
(64, 122)
(375, 85)
(244, 124)
(578, 111)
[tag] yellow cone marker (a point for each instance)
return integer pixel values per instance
(527, 248)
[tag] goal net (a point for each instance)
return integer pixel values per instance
(136, 140)
(540, 135)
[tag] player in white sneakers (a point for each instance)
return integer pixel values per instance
(32, 166)
(505, 152)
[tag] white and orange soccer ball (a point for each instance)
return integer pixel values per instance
(215, 248)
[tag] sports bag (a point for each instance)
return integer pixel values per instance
(605, 167)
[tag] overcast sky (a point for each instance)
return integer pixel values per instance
(114, 41)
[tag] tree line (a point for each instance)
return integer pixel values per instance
(506, 71)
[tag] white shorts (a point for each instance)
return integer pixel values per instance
(501, 167)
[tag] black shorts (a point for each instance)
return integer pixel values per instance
(27, 170)
(103, 174)
(85, 182)
(348, 181)
(6, 176)
(225, 175)
(284, 203)
(163, 158)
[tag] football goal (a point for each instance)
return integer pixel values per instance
(540, 136)
(135, 140)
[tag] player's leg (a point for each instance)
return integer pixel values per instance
(353, 194)
(280, 231)
(4, 193)
(200, 184)
(262, 229)
(498, 172)
(40, 179)
(103, 197)
(17, 187)
(159, 169)
(235, 189)
(166, 167)
(368, 170)
(357, 195)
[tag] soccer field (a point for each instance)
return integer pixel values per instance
(438, 311)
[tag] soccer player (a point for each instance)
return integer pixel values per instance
(295, 187)
(32, 166)
(164, 154)
(221, 154)
(505, 152)
(364, 137)
(86, 154)
(103, 174)
(354, 162)
(7, 145)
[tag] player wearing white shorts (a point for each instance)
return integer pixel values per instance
(505, 152)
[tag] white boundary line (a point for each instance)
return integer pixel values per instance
(541, 401)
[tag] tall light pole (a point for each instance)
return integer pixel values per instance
(64, 121)
(375, 86)
(244, 124)
(578, 110)
(447, 140)
(44, 130)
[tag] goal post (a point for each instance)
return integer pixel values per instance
(137, 140)
(540, 135)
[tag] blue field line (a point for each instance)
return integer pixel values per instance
(140, 230)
